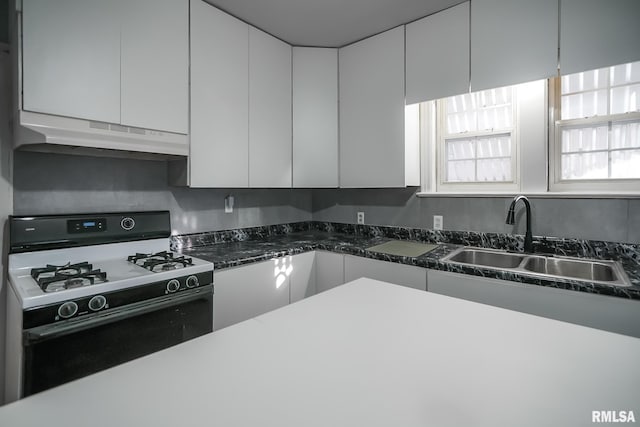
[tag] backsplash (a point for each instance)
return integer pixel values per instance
(612, 220)
(56, 183)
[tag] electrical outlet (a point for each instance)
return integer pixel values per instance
(360, 217)
(228, 204)
(437, 222)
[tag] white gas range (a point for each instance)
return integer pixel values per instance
(91, 291)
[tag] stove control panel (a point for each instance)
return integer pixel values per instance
(182, 283)
(97, 304)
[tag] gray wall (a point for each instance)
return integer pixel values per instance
(55, 183)
(615, 220)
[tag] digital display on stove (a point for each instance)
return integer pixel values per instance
(92, 225)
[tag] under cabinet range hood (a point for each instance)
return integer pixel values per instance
(71, 95)
(57, 134)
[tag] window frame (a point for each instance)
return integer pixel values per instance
(556, 183)
(441, 136)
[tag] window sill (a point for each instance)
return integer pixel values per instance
(537, 195)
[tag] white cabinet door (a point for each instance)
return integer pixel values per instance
(219, 153)
(245, 292)
(315, 117)
(302, 277)
(515, 45)
(597, 311)
(596, 33)
(269, 111)
(400, 274)
(329, 270)
(155, 65)
(372, 146)
(71, 58)
(438, 55)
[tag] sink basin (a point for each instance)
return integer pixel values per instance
(609, 272)
(488, 258)
(587, 270)
(403, 248)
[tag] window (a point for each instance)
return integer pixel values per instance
(579, 132)
(477, 144)
(470, 142)
(597, 132)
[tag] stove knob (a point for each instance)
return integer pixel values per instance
(192, 282)
(67, 309)
(173, 285)
(127, 223)
(97, 303)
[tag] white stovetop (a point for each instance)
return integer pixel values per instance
(110, 258)
(363, 354)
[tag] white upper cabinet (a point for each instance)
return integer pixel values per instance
(111, 61)
(315, 117)
(372, 145)
(219, 152)
(513, 41)
(438, 55)
(240, 103)
(71, 58)
(598, 33)
(155, 65)
(269, 111)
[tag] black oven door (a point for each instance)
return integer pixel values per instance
(62, 352)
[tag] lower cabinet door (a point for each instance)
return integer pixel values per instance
(241, 293)
(400, 274)
(596, 311)
(302, 275)
(329, 270)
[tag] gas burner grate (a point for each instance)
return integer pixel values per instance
(161, 261)
(54, 278)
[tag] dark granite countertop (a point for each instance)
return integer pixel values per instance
(228, 254)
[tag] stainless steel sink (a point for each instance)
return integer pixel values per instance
(594, 271)
(488, 258)
(609, 272)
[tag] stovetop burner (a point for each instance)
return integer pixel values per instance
(160, 261)
(54, 278)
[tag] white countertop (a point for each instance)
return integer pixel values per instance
(363, 354)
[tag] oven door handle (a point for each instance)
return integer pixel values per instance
(46, 332)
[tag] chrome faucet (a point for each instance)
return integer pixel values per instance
(528, 239)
